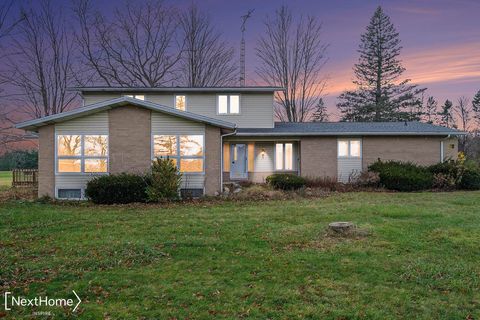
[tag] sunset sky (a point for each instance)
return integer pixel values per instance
(440, 38)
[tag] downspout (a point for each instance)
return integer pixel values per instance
(221, 155)
(442, 148)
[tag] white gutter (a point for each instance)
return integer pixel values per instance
(221, 155)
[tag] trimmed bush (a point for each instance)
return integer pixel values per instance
(470, 179)
(402, 176)
(117, 188)
(165, 181)
(285, 181)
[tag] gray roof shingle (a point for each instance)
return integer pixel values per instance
(349, 128)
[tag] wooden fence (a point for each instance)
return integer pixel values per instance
(25, 178)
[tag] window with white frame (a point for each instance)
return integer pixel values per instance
(349, 148)
(284, 156)
(186, 151)
(181, 102)
(228, 104)
(82, 153)
(136, 96)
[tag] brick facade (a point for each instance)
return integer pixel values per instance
(46, 161)
(318, 156)
(212, 160)
(421, 150)
(129, 139)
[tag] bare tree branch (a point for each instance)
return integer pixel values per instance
(207, 60)
(41, 69)
(136, 47)
(292, 56)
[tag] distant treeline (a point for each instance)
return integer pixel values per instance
(19, 159)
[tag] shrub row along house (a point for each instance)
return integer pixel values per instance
(214, 135)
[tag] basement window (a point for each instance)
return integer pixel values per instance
(69, 194)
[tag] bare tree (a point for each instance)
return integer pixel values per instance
(207, 60)
(42, 67)
(9, 20)
(136, 47)
(292, 55)
(463, 110)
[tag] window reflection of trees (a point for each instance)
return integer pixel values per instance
(165, 146)
(69, 145)
(191, 145)
(96, 146)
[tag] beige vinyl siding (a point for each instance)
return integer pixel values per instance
(166, 124)
(96, 123)
(73, 181)
(264, 164)
(256, 109)
(92, 98)
(164, 99)
(92, 124)
(348, 168)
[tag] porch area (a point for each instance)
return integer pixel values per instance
(247, 160)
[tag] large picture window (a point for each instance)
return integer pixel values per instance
(186, 151)
(283, 156)
(349, 148)
(228, 104)
(82, 153)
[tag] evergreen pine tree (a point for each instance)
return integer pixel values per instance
(476, 109)
(446, 115)
(320, 114)
(380, 95)
(430, 112)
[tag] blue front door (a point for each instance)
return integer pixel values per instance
(238, 157)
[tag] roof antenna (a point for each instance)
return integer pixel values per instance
(242, 47)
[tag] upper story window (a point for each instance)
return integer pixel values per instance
(228, 104)
(186, 151)
(181, 102)
(136, 96)
(82, 153)
(283, 156)
(349, 148)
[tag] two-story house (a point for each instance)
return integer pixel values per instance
(214, 135)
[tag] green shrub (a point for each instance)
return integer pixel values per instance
(117, 188)
(285, 181)
(165, 181)
(402, 176)
(470, 179)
